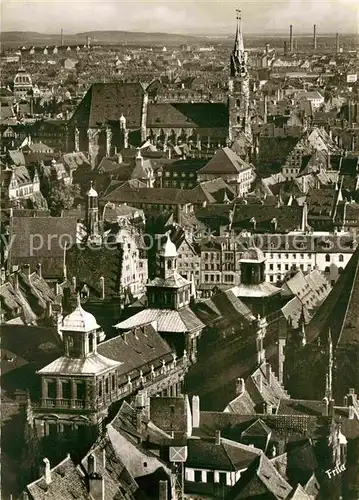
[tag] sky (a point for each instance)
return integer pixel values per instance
(188, 16)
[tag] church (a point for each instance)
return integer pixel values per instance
(112, 116)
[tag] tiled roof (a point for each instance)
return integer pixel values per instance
(119, 484)
(261, 290)
(168, 196)
(260, 479)
(137, 350)
(137, 460)
(106, 102)
(300, 494)
(75, 160)
(213, 191)
(41, 239)
(197, 115)
(170, 414)
(67, 483)
(226, 456)
(168, 320)
(23, 345)
(225, 161)
(90, 365)
(174, 281)
(339, 312)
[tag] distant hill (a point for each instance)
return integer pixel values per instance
(17, 38)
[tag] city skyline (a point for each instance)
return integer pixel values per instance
(192, 18)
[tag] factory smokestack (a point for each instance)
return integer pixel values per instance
(315, 37)
(285, 47)
(62, 38)
(337, 48)
(290, 38)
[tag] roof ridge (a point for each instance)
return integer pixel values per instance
(350, 296)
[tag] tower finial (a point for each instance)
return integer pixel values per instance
(78, 299)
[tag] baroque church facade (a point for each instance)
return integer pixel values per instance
(112, 116)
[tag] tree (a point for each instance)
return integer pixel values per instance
(61, 197)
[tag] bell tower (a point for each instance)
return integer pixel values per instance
(238, 87)
(92, 215)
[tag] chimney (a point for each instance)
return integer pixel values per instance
(3, 275)
(163, 490)
(96, 482)
(39, 270)
(337, 48)
(240, 386)
(16, 280)
(91, 464)
(315, 37)
(265, 112)
(325, 407)
(331, 408)
(268, 369)
(217, 437)
(47, 471)
(285, 48)
(26, 270)
(195, 412)
(291, 47)
(260, 381)
(304, 224)
(102, 284)
(74, 284)
(350, 117)
(267, 48)
(139, 158)
(274, 224)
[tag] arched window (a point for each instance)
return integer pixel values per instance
(341, 258)
(327, 258)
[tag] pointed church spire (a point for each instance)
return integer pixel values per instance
(238, 43)
(238, 59)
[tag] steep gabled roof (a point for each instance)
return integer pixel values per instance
(106, 102)
(225, 161)
(340, 312)
(261, 480)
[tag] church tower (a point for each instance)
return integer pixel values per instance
(238, 86)
(169, 290)
(92, 215)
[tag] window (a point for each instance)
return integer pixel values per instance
(327, 258)
(198, 476)
(51, 390)
(327, 270)
(66, 390)
(287, 255)
(271, 267)
(294, 256)
(222, 478)
(81, 390)
(210, 476)
(113, 379)
(106, 386)
(100, 388)
(302, 255)
(279, 266)
(341, 258)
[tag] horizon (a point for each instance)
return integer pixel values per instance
(198, 18)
